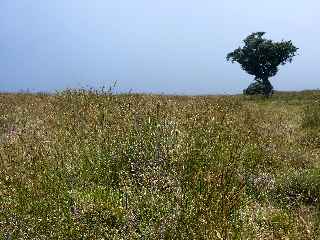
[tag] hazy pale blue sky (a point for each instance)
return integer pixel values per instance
(167, 46)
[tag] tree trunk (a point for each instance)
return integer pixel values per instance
(268, 88)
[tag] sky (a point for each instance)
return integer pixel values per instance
(167, 46)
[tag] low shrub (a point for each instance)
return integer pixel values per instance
(298, 188)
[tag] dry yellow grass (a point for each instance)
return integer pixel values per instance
(85, 164)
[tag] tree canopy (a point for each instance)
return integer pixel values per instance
(261, 57)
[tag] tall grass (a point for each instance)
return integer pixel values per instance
(87, 164)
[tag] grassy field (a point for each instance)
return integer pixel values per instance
(85, 164)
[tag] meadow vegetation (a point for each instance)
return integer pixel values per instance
(88, 164)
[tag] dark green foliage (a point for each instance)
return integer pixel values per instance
(255, 88)
(261, 57)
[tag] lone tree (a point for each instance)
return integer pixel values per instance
(261, 57)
